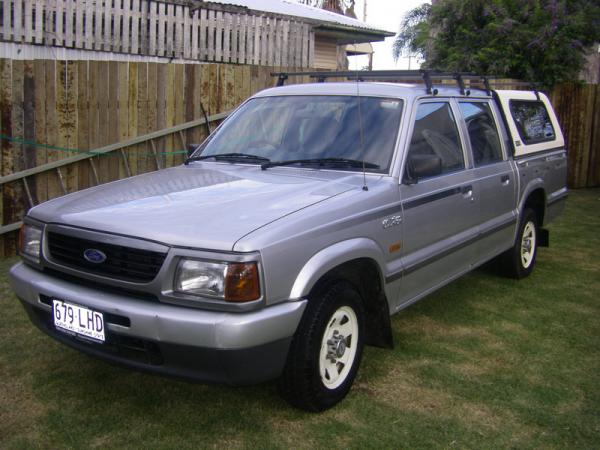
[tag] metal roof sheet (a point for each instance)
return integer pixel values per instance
(292, 8)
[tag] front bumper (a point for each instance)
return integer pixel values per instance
(232, 348)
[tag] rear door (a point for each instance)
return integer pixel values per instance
(494, 177)
(440, 213)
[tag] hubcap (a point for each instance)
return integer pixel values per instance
(338, 347)
(528, 244)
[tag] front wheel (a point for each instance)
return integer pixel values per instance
(326, 350)
(520, 259)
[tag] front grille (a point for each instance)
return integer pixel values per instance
(124, 263)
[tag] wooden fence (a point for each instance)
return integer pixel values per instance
(172, 29)
(578, 110)
(51, 110)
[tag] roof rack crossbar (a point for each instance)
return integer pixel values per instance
(427, 76)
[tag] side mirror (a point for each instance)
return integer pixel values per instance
(422, 166)
(191, 148)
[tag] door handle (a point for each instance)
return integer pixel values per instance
(505, 180)
(467, 192)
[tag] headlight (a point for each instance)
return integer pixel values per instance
(232, 282)
(30, 238)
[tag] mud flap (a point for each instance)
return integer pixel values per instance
(543, 238)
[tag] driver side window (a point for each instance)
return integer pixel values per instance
(435, 133)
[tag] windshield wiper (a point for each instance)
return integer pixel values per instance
(322, 162)
(230, 157)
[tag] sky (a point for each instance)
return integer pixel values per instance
(386, 15)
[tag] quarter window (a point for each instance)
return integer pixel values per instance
(532, 120)
(435, 133)
(483, 134)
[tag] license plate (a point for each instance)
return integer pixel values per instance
(78, 320)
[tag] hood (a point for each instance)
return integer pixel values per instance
(203, 205)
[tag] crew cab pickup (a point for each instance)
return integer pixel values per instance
(288, 238)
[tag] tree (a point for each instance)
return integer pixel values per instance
(534, 40)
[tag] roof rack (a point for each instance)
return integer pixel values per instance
(396, 75)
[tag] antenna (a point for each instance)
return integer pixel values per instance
(360, 127)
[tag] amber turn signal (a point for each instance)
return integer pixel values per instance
(242, 283)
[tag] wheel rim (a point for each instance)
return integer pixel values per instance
(528, 244)
(338, 347)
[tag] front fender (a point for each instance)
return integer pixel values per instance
(331, 257)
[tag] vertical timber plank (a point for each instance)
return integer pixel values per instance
(170, 24)
(142, 117)
(70, 125)
(133, 113)
(54, 189)
(170, 114)
(93, 115)
(219, 36)
(195, 30)
(6, 146)
(69, 16)
(39, 69)
(28, 16)
(153, 24)
(79, 28)
(161, 113)
(179, 30)
(14, 204)
(103, 121)
(161, 29)
(179, 109)
(89, 25)
(210, 29)
(135, 26)
(83, 122)
(39, 23)
(151, 111)
(98, 26)
(123, 107)
(115, 165)
(203, 50)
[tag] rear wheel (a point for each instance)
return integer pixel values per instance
(520, 260)
(326, 350)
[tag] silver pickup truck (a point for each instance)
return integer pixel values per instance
(288, 238)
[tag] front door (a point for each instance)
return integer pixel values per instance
(440, 213)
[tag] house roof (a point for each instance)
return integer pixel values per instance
(295, 9)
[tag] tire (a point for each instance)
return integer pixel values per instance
(326, 350)
(519, 261)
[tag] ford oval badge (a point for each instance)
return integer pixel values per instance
(94, 256)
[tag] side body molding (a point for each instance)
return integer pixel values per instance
(333, 256)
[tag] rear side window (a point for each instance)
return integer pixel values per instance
(483, 133)
(532, 120)
(435, 133)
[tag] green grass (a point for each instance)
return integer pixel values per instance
(486, 362)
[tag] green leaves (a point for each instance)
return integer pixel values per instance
(535, 40)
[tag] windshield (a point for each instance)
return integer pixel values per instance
(291, 128)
